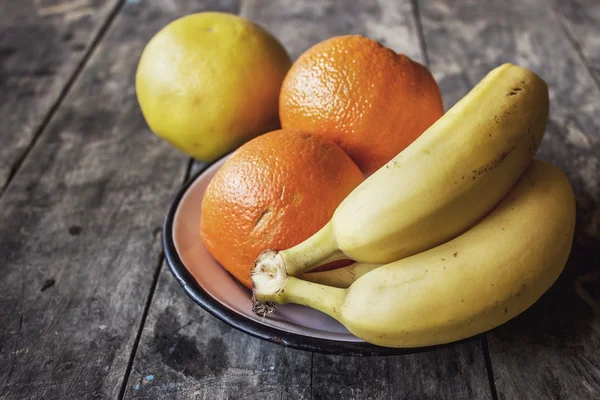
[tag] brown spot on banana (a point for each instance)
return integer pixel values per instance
(492, 164)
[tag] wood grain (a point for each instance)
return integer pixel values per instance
(186, 353)
(41, 47)
(302, 24)
(79, 244)
(252, 369)
(581, 20)
(456, 372)
(550, 351)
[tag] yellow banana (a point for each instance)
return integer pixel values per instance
(440, 185)
(340, 277)
(471, 284)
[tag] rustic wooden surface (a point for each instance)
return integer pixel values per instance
(43, 46)
(581, 19)
(90, 310)
(81, 219)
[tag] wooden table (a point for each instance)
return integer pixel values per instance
(88, 308)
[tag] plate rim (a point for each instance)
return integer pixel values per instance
(253, 328)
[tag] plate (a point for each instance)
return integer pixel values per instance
(215, 290)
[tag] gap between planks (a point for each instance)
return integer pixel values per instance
(420, 33)
(63, 94)
(576, 46)
(140, 330)
(488, 365)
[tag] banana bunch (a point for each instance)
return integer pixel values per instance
(471, 232)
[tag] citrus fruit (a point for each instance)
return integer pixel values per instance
(210, 81)
(362, 95)
(272, 193)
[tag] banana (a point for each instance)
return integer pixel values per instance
(469, 285)
(340, 277)
(441, 184)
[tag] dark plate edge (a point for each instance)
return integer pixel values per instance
(251, 327)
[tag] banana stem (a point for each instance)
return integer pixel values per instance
(326, 299)
(321, 248)
(271, 283)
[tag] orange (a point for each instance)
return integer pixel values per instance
(362, 95)
(272, 193)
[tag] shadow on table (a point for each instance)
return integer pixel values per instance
(564, 316)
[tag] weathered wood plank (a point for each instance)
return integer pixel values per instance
(581, 19)
(42, 44)
(245, 363)
(79, 243)
(551, 351)
(457, 372)
(302, 24)
(186, 353)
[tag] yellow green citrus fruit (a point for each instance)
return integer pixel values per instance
(208, 82)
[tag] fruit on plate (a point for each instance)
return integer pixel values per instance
(370, 100)
(466, 286)
(440, 185)
(273, 192)
(208, 82)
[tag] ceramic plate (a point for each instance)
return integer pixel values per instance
(215, 290)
